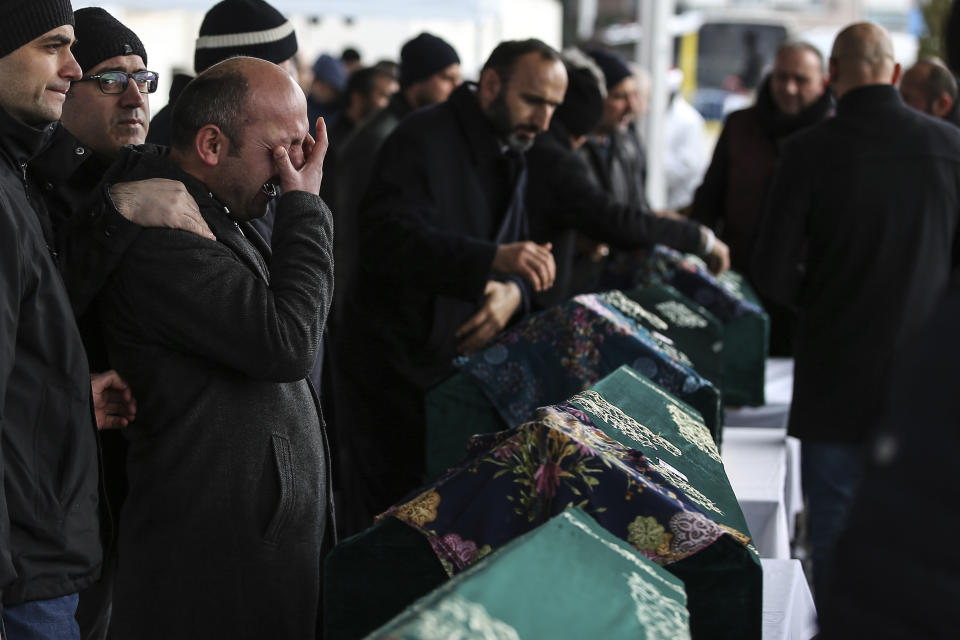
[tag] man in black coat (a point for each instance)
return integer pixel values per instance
(614, 152)
(729, 200)
(444, 265)
(228, 503)
(562, 199)
(429, 72)
(859, 234)
(49, 529)
(894, 578)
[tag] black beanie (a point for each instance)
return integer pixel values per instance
(582, 106)
(26, 20)
(614, 68)
(243, 28)
(424, 56)
(100, 37)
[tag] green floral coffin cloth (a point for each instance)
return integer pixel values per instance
(665, 494)
(549, 357)
(568, 578)
(729, 298)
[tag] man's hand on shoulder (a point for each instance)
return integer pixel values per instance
(302, 169)
(500, 302)
(159, 202)
(113, 402)
(529, 260)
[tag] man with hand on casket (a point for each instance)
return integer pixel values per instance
(444, 263)
(563, 200)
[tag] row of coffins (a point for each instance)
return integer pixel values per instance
(637, 460)
(705, 342)
(602, 416)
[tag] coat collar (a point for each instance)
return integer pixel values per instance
(19, 142)
(485, 145)
(150, 161)
(779, 124)
(872, 97)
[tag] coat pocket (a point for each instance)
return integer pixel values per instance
(283, 458)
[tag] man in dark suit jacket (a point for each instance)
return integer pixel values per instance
(444, 265)
(228, 502)
(859, 234)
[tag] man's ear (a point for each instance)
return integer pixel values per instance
(895, 78)
(832, 72)
(942, 105)
(211, 144)
(489, 89)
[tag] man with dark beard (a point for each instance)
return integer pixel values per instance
(444, 264)
(730, 198)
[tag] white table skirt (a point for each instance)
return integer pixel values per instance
(758, 465)
(788, 609)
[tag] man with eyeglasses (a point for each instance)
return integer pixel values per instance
(91, 233)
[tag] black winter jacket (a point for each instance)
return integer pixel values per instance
(562, 200)
(859, 234)
(49, 530)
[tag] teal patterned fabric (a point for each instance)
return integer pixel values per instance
(728, 297)
(563, 350)
(569, 578)
(696, 332)
(654, 480)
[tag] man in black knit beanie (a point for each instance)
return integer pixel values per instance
(49, 530)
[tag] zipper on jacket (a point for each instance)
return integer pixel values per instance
(26, 192)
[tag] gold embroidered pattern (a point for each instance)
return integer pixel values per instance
(694, 431)
(633, 309)
(662, 618)
(454, 617)
(688, 489)
(681, 315)
(593, 402)
(421, 510)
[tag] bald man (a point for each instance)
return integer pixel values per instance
(930, 87)
(859, 236)
(221, 532)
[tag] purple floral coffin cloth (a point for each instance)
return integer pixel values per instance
(566, 349)
(518, 479)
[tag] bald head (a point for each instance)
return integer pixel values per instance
(227, 124)
(228, 95)
(862, 55)
(929, 86)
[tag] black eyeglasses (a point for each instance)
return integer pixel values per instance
(112, 82)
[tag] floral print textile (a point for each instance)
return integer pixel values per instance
(520, 478)
(561, 351)
(728, 297)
